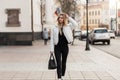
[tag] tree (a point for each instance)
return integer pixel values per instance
(67, 6)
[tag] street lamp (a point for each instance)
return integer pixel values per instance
(111, 23)
(74, 3)
(87, 40)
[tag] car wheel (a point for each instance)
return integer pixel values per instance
(89, 42)
(103, 42)
(108, 42)
(81, 38)
(92, 42)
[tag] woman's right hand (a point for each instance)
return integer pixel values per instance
(66, 15)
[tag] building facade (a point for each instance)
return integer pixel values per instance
(118, 17)
(20, 22)
(115, 16)
(98, 15)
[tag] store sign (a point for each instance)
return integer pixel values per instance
(119, 13)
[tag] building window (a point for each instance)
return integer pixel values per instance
(98, 21)
(89, 21)
(98, 12)
(12, 17)
(93, 21)
(93, 13)
(90, 13)
(84, 21)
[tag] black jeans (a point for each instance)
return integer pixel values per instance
(45, 41)
(61, 54)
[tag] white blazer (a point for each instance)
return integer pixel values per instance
(67, 30)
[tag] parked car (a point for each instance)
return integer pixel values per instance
(99, 35)
(83, 34)
(112, 34)
(77, 34)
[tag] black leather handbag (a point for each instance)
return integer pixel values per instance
(52, 62)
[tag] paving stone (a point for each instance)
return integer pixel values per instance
(20, 75)
(75, 75)
(31, 63)
(107, 78)
(6, 75)
(48, 75)
(89, 75)
(34, 75)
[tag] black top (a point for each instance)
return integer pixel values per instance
(62, 40)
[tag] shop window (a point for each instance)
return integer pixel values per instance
(13, 17)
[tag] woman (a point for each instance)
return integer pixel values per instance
(45, 36)
(61, 35)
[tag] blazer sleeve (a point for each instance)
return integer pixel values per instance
(72, 23)
(51, 41)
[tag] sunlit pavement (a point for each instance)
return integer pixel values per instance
(31, 62)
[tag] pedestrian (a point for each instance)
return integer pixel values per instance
(61, 36)
(45, 36)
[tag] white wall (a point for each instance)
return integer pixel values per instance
(49, 11)
(24, 17)
(37, 16)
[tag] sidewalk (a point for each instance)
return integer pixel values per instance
(30, 63)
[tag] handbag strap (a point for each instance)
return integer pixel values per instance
(51, 56)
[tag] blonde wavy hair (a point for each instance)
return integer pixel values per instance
(65, 20)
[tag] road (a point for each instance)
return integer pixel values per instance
(113, 48)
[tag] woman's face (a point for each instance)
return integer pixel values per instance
(60, 19)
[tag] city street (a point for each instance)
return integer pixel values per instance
(112, 49)
(26, 24)
(31, 63)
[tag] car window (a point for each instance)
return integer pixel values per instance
(101, 31)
